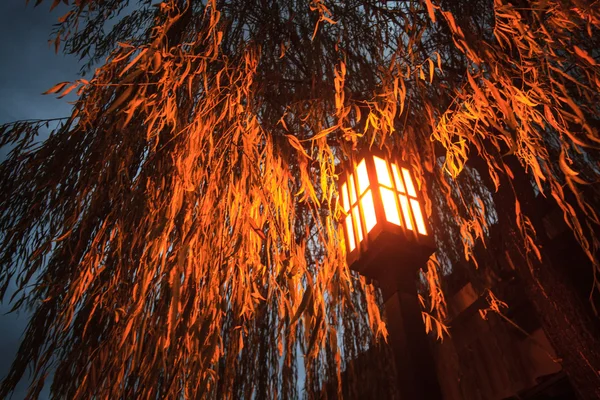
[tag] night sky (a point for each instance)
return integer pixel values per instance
(28, 67)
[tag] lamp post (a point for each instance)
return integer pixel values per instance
(388, 240)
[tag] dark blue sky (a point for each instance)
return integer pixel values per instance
(28, 67)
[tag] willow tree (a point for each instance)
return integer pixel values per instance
(177, 234)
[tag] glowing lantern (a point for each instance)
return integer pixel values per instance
(383, 215)
(388, 239)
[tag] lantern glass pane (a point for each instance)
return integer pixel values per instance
(397, 179)
(352, 190)
(368, 209)
(416, 209)
(390, 206)
(356, 218)
(410, 188)
(383, 175)
(405, 211)
(363, 177)
(345, 200)
(350, 232)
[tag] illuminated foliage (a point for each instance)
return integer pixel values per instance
(178, 233)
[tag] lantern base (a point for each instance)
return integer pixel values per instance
(393, 259)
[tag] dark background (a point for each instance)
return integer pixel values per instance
(28, 67)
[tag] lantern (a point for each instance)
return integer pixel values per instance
(388, 239)
(383, 215)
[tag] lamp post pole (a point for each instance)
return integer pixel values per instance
(387, 239)
(415, 366)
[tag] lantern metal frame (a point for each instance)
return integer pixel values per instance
(385, 239)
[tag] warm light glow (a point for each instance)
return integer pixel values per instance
(368, 209)
(356, 215)
(383, 175)
(416, 209)
(390, 206)
(399, 184)
(396, 192)
(345, 200)
(352, 190)
(410, 188)
(405, 210)
(363, 177)
(350, 231)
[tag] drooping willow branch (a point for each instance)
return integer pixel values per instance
(180, 229)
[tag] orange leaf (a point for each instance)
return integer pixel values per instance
(297, 145)
(132, 63)
(430, 10)
(56, 88)
(584, 54)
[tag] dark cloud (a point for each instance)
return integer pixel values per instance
(28, 67)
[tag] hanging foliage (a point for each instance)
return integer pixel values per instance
(178, 234)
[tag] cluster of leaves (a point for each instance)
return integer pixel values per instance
(179, 231)
(532, 91)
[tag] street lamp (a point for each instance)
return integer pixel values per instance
(384, 214)
(388, 239)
